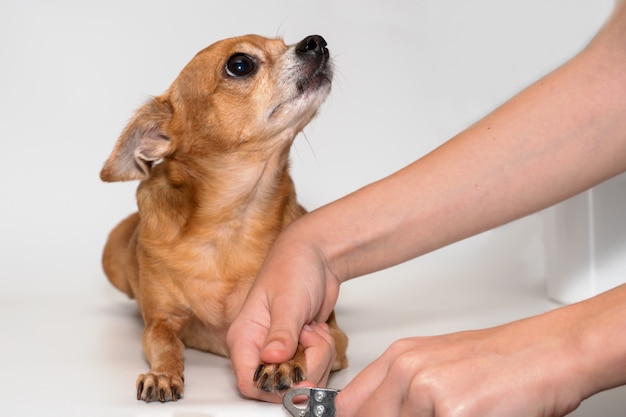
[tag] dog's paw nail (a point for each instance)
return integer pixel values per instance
(159, 387)
(282, 386)
(264, 383)
(278, 377)
(139, 390)
(149, 393)
(258, 372)
(298, 374)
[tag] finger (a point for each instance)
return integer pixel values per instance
(385, 400)
(284, 331)
(289, 308)
(245, 340)
(391, 397)
(319, 348)
(352, 397)
(245, 365)
(396, 376)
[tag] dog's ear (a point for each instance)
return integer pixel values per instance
(141, 144)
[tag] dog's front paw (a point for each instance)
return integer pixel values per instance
(159, 387)
(278, 377)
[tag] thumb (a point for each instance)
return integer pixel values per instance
(283, 334)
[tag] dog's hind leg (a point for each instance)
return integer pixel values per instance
(119, 259)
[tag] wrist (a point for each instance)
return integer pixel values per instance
(315, 238)
(602, 332)
(581, 347)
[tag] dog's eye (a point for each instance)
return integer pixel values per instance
(239, 65)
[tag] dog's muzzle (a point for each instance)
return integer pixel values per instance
(314, 55)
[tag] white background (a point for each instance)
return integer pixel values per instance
(410, 74)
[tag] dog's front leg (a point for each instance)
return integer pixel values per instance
(164, 351)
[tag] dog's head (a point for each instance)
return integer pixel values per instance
(248, 93)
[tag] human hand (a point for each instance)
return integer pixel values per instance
(292, 293)
(530, 368)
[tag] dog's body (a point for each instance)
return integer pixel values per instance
(213, 154)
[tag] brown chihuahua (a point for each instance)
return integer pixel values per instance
(213, 156)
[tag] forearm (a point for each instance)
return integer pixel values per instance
(557, 138)
(579, 348)
(599, 327)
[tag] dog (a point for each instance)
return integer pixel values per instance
(212, 154)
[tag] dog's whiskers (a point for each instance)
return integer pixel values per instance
(308, 142)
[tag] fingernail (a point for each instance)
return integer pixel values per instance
(275, 345)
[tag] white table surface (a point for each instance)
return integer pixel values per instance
(79, 354)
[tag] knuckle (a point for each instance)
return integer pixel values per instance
(403, 357)
(427, 381)
(400, 347)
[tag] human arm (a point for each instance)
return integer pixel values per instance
(560, 136)
(542, 366)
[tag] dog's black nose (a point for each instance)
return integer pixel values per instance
(314, 44)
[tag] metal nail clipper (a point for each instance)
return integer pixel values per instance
(321, 402)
